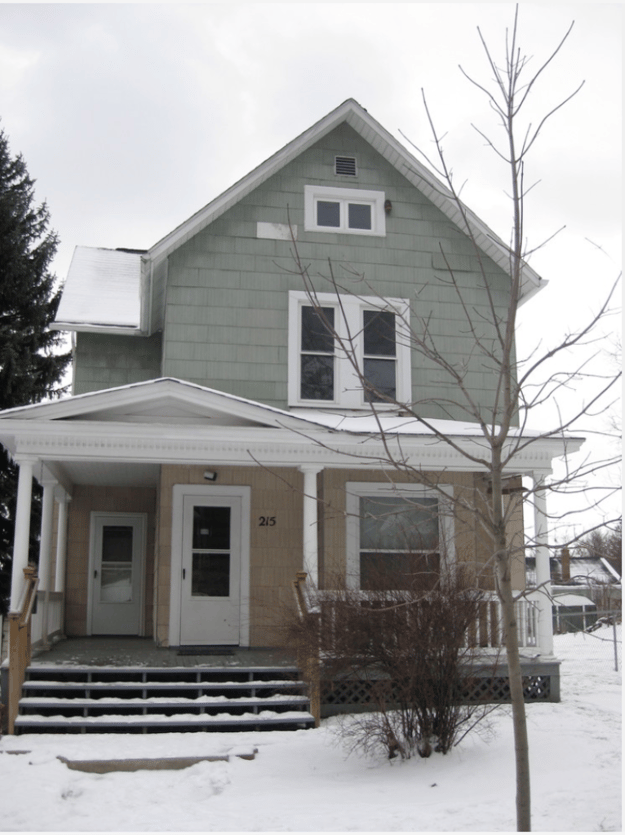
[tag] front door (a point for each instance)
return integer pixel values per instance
(211, 570)
(118, 547)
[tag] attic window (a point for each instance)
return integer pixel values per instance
(345, 165)
(344, 210)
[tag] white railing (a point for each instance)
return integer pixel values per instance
(487, 631)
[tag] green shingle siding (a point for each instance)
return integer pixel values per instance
(104, 361)
(226, 319)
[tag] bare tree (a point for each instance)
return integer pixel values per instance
(521, 385)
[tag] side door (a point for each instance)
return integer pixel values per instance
(117, 569)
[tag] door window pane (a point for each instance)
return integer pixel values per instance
(211, 528)
(117, 543)
(116, 566)
(116, 584)
(210, 576)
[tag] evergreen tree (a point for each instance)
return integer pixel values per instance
(31, 362)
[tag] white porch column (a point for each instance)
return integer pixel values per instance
(543, 571)
(311, 550)
(22, 527)
(45, 549)
(45, 542)
(61, 542)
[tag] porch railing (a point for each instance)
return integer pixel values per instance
(485, 633)
(20, 645)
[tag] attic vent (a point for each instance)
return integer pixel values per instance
(345, 165)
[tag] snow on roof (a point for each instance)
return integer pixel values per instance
(103, 289)
(572, 600)
(592, 568)
(370, 424)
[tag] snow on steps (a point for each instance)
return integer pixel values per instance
(73, 699)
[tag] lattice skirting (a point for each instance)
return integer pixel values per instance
(349, 695)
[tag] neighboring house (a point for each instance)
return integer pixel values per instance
(215, 442)
(583, 588)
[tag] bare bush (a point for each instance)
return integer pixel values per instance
(410, 645)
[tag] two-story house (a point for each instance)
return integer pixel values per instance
(217, 440)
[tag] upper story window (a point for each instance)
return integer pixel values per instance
(321, 337)
(347, 210)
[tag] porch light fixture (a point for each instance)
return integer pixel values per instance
(209, 475)
(388, 207)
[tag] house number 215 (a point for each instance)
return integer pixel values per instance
(266, 521)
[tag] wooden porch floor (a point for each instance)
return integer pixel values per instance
(113, 651)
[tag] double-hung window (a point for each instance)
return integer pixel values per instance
(349, 210)
(398, 536)
(331, 335)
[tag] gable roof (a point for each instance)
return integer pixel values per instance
(385, 144)
(99, 273)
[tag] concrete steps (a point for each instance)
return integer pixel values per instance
(89, 699)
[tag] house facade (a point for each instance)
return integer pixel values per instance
(218, 439)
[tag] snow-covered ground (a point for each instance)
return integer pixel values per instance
(304, 781)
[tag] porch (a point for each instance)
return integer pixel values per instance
(115, 651)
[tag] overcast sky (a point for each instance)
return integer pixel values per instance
(131, 117)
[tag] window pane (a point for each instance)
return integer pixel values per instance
(116, 584)
(317, 330)
(211, 527)
(211, 575)
(317, 380)
(117, 543)
(381, 375)
(383, 572)
(358, 216)
(328, 214)
(379, 333)
(392, 523)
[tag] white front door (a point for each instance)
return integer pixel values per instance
(210, 604)
(117, 557)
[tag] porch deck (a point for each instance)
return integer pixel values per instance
(113, 651)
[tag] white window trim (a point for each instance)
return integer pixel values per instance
(348, 393)
(355, 490)
(344, 196)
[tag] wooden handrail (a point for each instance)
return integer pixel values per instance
(308, 659)
(20, 644)
(300, 598)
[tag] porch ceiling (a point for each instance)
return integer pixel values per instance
(111, 473)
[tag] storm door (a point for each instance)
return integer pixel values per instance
(211, 571)
(117, 574)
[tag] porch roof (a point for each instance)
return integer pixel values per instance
(127, 432)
